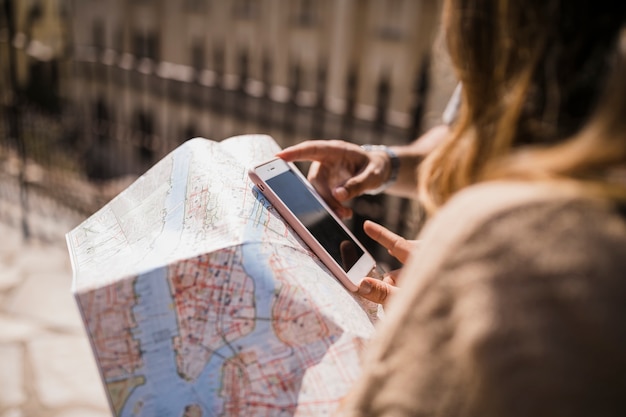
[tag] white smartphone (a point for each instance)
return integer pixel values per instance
(287, 189)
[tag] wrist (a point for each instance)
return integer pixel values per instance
(394, 166)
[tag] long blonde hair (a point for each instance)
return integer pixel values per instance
(544, 96)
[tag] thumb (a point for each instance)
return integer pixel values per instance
(357, 185)
(376, 290)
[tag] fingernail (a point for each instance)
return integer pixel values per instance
(365, 287)
(341, 193)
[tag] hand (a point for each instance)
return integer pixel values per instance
(380, 291)
(340, 170)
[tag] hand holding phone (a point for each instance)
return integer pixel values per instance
(299, 204)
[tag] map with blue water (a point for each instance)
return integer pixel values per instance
(199, 300)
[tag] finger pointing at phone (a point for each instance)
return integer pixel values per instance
(380, 291)
(396, 245)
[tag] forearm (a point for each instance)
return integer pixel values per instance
(411, 156)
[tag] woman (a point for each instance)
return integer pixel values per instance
(515, 304)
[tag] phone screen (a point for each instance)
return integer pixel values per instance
(295, 194)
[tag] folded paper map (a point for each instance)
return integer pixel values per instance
(199, 300)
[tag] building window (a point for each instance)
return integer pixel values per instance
(196, 6)
(102, 122)
(391, 20)
(144, 131)
(305, 13)
(97, 35)
(245, 9)
(35, 14)
(146, 46)
(118, 42)
(198, 59)
(63, 10)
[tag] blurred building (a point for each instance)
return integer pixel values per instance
(135, 78)
(40, 35)
(156, 72)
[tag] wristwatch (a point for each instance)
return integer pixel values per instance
(395, 167)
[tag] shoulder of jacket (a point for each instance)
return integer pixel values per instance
(479, 203)
(487, 199)
(475, 207)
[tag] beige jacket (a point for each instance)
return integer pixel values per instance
(514, 306)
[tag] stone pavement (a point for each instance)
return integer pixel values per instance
(46, 365)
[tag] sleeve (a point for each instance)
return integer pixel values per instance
(451, 111)
(498, 323)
